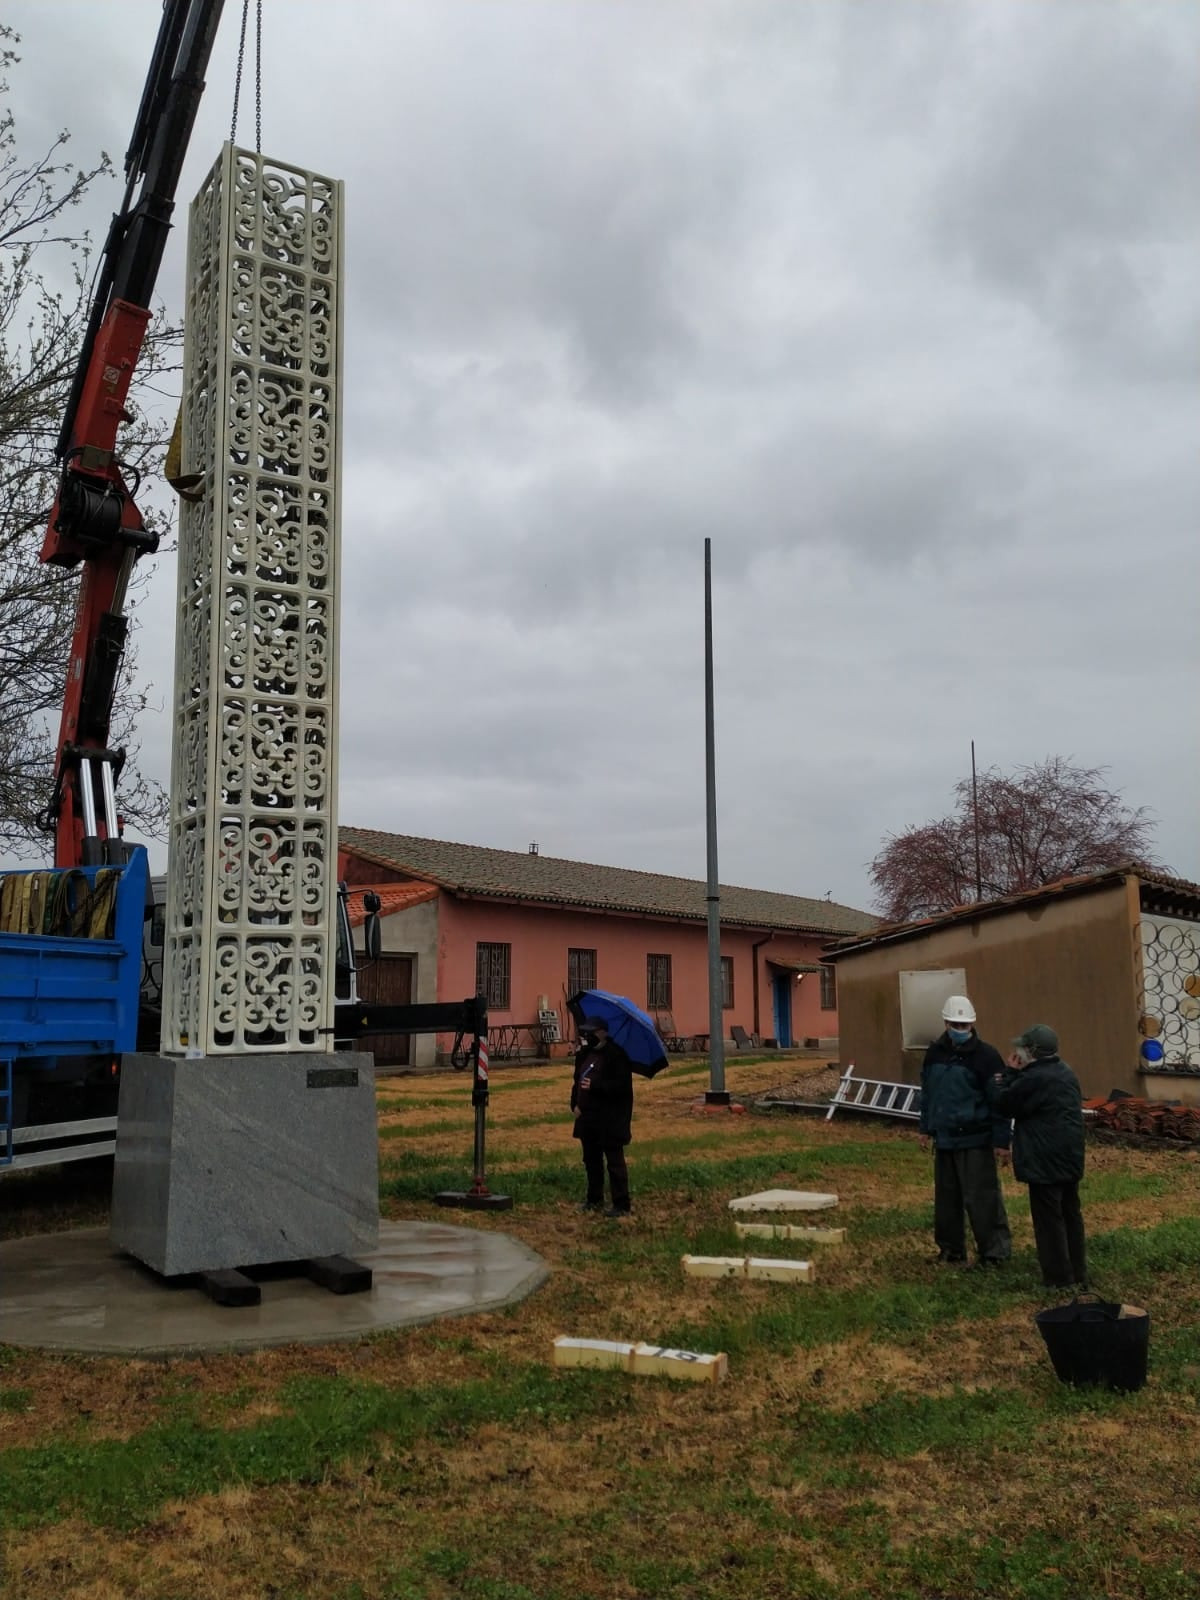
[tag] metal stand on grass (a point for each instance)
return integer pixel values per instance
(478, 1197)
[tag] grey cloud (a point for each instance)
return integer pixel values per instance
(896, 303)
(1077, 185)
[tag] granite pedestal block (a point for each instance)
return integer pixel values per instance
(238, 1161)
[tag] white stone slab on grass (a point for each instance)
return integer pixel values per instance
(778, 1270)
(784, 1200)
(606, 1353)
(773, 1269)
(714, 1266)
(641, 1360)
(789, 1230)
(653, 1361)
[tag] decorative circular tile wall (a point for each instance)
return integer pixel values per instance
(1170, 1023)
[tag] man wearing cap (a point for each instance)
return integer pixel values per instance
(957, 1116)
(602, 1100)
(1041, 1094)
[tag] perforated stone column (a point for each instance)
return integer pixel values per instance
(250, 945)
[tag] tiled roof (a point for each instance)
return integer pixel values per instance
(1183, 887)
(392, 896)
(1060, 889)
(550, 880)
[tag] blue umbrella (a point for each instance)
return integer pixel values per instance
(627, 1024)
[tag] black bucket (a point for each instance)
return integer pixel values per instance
(1097, 1343)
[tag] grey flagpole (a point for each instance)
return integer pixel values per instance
(717, 1092)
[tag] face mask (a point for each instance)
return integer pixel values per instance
(959, 1035)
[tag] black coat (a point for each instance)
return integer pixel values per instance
(602, 1094)
(955, 1109)
(1046, 1104)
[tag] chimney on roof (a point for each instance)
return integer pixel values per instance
(533, 848)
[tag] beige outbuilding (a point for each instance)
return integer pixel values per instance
(1111, 960)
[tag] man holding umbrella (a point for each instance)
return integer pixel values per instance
(617, 1040)
(602, 1100)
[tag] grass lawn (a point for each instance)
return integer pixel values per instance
(894, 1429)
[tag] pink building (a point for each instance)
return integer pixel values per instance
(528, 930)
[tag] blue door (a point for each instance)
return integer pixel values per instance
(782, 986)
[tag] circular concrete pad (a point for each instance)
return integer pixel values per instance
(76, 1291)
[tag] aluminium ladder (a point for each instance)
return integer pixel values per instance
(876, 1094)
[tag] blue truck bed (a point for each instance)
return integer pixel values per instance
(70, 996)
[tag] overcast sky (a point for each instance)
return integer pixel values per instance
(897, 302)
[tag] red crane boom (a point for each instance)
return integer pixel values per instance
(95, 522)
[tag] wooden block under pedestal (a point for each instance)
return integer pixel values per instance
(789, 1230)
(714, 1266)
(606, 1353)
(651, 1360)
(778, 1270)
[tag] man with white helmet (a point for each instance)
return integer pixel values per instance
(957, 1116)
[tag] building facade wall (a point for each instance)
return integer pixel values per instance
(443, 935)
(1069, 962)
(540, 937)
(414, 932)
(810, 1019)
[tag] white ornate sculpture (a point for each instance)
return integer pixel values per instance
(251, 927)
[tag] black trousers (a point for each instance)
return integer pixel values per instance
(966, 1180)
(1058, 1233)
(596, 1153)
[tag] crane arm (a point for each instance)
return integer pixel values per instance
(95, 522)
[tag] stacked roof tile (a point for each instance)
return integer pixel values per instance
(1149, 1118)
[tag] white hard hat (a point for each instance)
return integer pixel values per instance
(958, 1009)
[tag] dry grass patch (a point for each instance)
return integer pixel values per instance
(890, 1430)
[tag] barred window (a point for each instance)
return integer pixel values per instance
(658, 982)
(492, 963)
(726, 983)
(581, 970)
(828, 989)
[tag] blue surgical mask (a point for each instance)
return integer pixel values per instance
(959, 1035)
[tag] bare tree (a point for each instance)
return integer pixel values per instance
(41, 333)
(1035, 825)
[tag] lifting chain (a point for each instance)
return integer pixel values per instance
(237, 87)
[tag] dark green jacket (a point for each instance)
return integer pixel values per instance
(1046, 1105)
(955, 1108)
